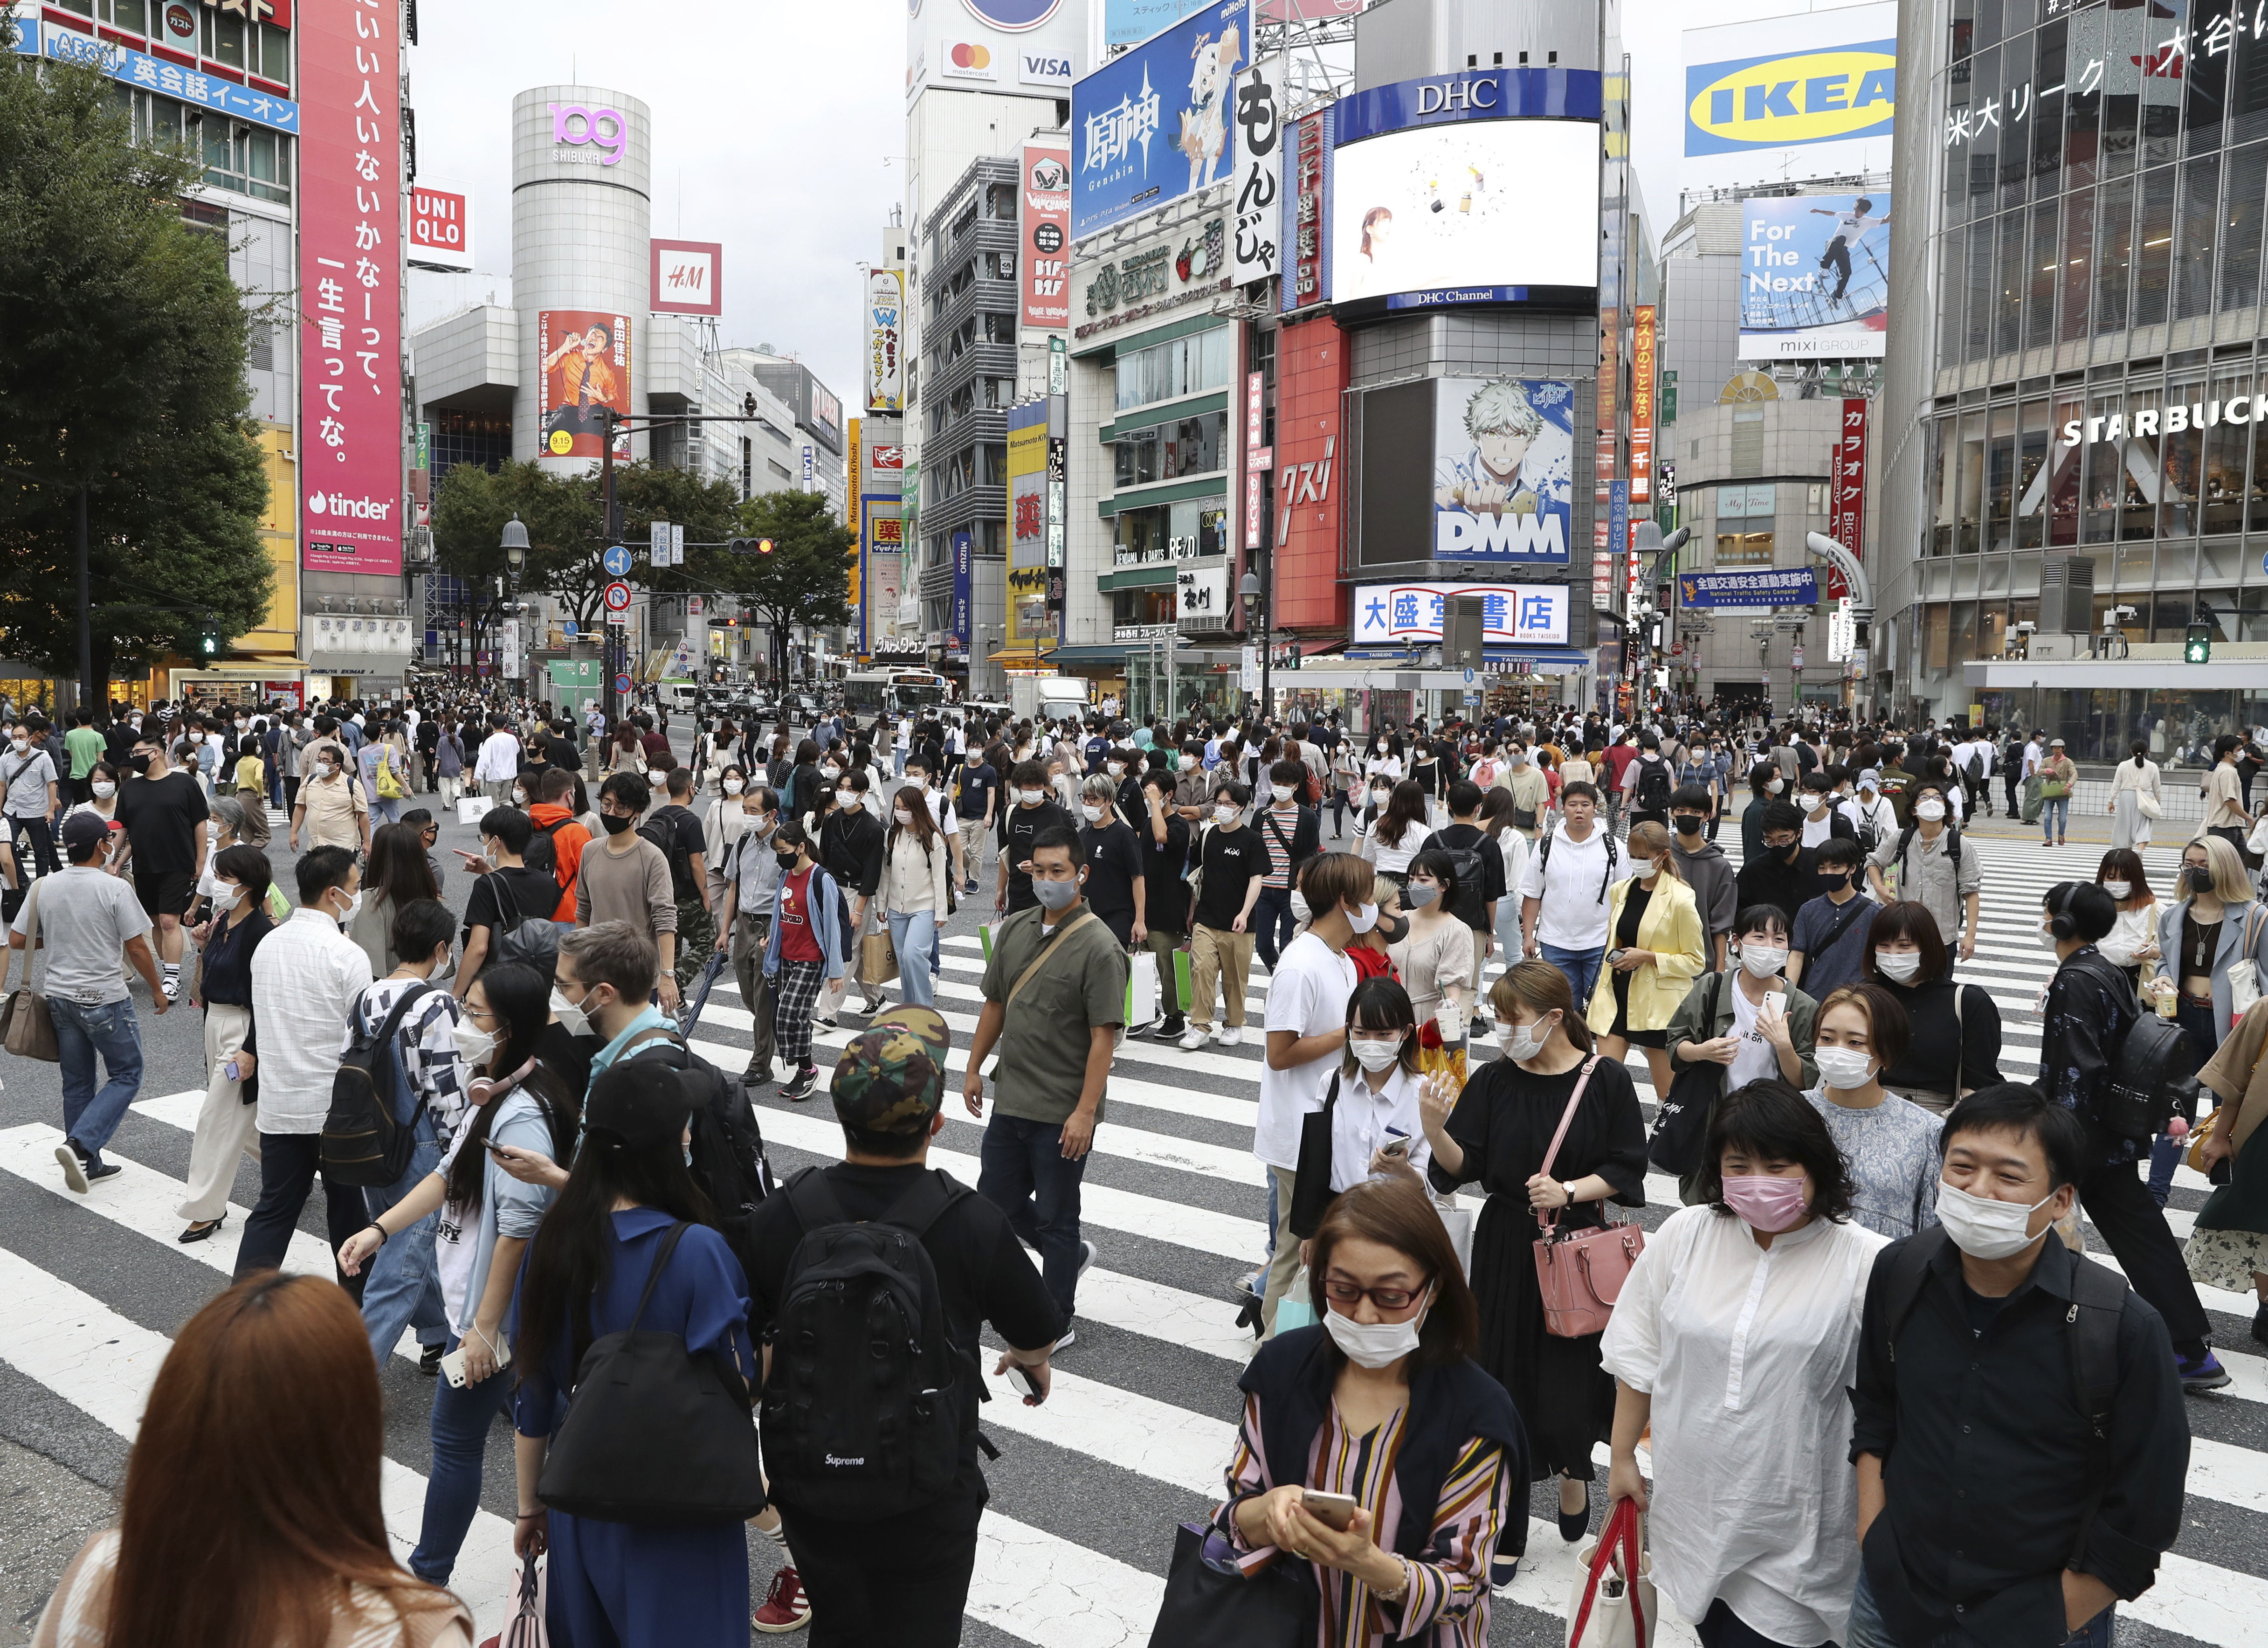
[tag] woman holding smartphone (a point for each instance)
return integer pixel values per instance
(1374, 1120)
(1380, 1405)
(521, 1107)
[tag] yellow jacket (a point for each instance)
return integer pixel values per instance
(1671, 929)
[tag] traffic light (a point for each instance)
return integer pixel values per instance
(750, 546)
(2198, 649)
(209, 645)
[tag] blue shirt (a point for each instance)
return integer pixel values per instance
(653, 1018)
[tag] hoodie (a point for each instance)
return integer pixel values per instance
(567, 844)
(1710, 874)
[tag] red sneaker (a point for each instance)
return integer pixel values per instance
(786, 1607)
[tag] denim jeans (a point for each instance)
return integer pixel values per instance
(1581, 967)
(2055, 818)
(1024, 1174)
(914, 936)
(1272, 924)
(461, 1419)
(84, 1030)
(403, 1286)
(1867, 1629)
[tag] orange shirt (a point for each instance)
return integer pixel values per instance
(578, 373)
(567, 843)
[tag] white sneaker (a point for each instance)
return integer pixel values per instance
(74, 1169)
(1192, 1038)
(1232, 1035)
(1085, 1257)
(1068, 1339)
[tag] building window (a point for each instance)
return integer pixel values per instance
(1180, 531)
(1744, 548)
(247, 159)
(1167, 451)
(1168, 370)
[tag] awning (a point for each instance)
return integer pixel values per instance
(1542, 659)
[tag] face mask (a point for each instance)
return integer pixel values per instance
(1771, 1205)
(140, 764)
(519, 798)
(1032, 798)
(20, 742)
(1054, 895)
(1301, 911)
(1646, 868)
(785, 860)
(1687, 824)
(1373, 1054)
(1773, 787)
(1378, 750)
(1114, 768)
(733, 786)
(325, 768)
(1418, 894)
(1282, 791)
(2119, 889)
(1226, 812)
(2048, 940)
(1523, 1041)
(848, 796)
(1364, 919)
(1983, 1227)
(1929, 812)
(689, 1156)
(2198, 878)
(832, 771)
(1763, 961)
(1373, 1344)
(473, 1045)
(1843, 1068)
(656, 775)
(1381, 796)
(1519, 757)
(1899, 967)
(228, 892)
(104, 789)
(354, 908)
(615, 826)
(905, 819)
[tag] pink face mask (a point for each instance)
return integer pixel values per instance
(1772, 1204)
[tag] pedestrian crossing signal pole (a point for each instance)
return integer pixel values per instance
(2198, 648)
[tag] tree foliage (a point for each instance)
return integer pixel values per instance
(807, 577)
(121, 371)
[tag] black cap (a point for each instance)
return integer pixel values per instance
(638, 1103)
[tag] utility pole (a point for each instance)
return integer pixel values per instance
(86, 681)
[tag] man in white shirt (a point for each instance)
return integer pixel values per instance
(1563, 909)
(498, 764)
(1307, 1035)
(306, 978)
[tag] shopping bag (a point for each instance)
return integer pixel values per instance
(878, 959)
(1297, 1307)
(1612, 1604)
(1141, 993)
(1211, 1602)
(1458, 1222)
(526, 1627)
(469, 808)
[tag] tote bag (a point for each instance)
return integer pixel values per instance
(1581, 1272)
(1613, 1601)
(1211, 1602)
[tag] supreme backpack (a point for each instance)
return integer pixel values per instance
(370, 1132)
(862, 1415)
(1652, 794)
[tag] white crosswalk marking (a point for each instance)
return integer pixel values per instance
(1136, 1432)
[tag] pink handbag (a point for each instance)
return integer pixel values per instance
(1581, 1272)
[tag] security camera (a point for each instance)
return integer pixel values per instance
(2026, 627)
(2110, 618)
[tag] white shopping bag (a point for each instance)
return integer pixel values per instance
(1141, 990)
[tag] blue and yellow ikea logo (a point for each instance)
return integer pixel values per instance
(1799, 98)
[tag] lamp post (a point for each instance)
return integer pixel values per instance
(1253, 592)
(514, 545)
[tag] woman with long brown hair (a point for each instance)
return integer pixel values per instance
(397, 875)
(1499, 1131)
(251, 1512)
(916, 893)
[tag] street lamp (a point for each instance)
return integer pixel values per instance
(1251, 592)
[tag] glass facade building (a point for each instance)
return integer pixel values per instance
(2084, 369)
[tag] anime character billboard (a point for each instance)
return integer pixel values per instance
(1504, 471)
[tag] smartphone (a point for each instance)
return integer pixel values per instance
(496, 1149)
(1021, 1377)
(1397, 1142)
(1333, 1511)
(230, 1071)
(452, 1365)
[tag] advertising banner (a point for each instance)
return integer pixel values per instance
(1814, 277)
(1503, 469)
(585, 362)
(964, 577)
(1259, 176)
(885, 313)
(1641, 436)
(63, 44)
(1311, 380)
(1784, 587)
(1306, 241)
(1043, 205)
(854, 480)
(1511, 615)
(686, 277)
(885, 582)
(1846, 511)
(1792, 82)
(1155, 122)
(351, 279)
(1201, 597)
(440, 225)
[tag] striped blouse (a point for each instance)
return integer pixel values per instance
(1447, 1603)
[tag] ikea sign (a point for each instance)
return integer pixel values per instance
(1781, 102)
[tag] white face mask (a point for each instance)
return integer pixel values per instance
(1522, 1041)
(354, 907)
(1033, 798)
(1646, 868)
(1114, 768)
(905, 819)
(104, 789)
(1929, 811)
(474, 1045)
(1226, 812)
(1763, 961)
(1283, 792)
(1373, 1344)
(1983, 1227)
(1373, 1053)
(1364, 919)
(1188, 762)
(2048, 940)
(1843, 1068)
(519, 798)
(1773, 787)
(2121, 890)
(733, 786)
(1301, 911)
(572, 1018)
(1094, 813)
(1899, 967)
(655, 775)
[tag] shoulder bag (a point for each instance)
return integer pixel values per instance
(1311, 1191)
(1211, 1602)
(27, 1029)
(1039, 961)
(1581, 1272)
(1612, 1604)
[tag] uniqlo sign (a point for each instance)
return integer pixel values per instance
(350, 286)
(1846, 511)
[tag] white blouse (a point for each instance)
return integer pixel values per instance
(1749, 1353)
(1363, 1114)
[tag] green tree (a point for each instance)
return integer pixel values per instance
(122, 372)
(807, 577)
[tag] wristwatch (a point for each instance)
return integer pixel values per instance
(1568, 1186)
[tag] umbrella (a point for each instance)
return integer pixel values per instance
(691, 1015)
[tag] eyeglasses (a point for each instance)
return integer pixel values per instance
(1385, 1298)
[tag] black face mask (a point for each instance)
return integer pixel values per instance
(1687, 824)
(785, 860)
(140, 764)
(616, 826)
(2198, 877)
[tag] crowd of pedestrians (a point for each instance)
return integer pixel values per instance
(1863, 1377)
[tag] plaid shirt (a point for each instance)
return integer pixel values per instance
(437, 1072)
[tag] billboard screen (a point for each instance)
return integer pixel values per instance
(351, 275)
(1153, 123)
(886, 316)
(1819, 78)
(585, 356)
(1043, 207)
(1503, 452)
(686, 277)
(1814, 277)
(1470, 212)
(440, 225)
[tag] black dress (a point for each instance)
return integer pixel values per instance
(1633, 916)
(1505, 1119)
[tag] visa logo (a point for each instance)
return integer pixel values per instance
(1041, 67)
(1786, 101)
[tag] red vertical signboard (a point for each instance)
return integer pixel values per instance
(1311, 380)
(1043, 202)
(1846, 511)
(1641, 450)
(350, 286)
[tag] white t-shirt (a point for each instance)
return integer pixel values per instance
(1574, 913)
(1817, 830)
(1306, 995)
(1758, 1060)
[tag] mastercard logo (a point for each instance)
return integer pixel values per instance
(968, 56)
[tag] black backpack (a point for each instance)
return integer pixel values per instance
(1470, 904)
(2151, 1082)
(1651, 792)
(1905, 836)
(365, 1141)
(729, 1162)
(862, 1413)
(527, 940)
(653, 1436)
(665, 829)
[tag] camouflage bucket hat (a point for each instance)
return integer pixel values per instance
(891, 1079)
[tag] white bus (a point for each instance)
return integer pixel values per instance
(870, 692)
